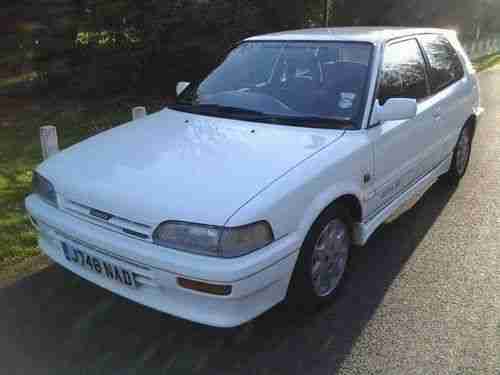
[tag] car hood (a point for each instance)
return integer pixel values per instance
(179, 166)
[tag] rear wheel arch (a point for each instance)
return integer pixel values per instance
(461, 153)
(472, 122)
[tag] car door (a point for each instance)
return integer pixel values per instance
(405, 150)
(450, 89)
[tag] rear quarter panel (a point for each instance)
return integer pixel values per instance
(472, 101)
(456, 102)
(472, 76)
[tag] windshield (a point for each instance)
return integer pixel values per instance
(313, 84)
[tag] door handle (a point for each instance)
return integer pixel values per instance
(437, 115)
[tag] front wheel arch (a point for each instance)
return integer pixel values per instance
(300, 292)
(350, 202)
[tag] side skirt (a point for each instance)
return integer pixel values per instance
(403, 203)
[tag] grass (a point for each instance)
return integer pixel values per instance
(20, 153)
(487, 62)
(21, 78)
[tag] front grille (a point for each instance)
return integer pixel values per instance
(109, 221)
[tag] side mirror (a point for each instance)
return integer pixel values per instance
(181, 86)
(394, 109)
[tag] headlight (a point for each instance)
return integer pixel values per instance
(213, 240)
(243, 240)
(44, 189)
(188, 237)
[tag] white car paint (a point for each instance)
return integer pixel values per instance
(147, 170)
(186, 167)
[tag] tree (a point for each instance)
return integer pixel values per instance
(115, 45)
(469, 17)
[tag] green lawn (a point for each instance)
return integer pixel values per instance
(20, 152)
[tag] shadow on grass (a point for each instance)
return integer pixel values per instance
(54, 322)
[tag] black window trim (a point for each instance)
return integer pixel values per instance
(427, 67)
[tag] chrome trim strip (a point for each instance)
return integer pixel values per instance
(113, 216)
(110, 227)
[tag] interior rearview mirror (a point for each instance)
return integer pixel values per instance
(181, 86)
(394, 109)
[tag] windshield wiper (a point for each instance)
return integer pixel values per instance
(251, 115)
(313, 121)
(217, 109)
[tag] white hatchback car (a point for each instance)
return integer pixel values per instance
(256, 183)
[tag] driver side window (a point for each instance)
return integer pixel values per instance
(403, 72)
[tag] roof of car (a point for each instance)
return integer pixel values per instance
(358, 34)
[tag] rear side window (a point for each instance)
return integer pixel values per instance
(445, 65)
(403, 72)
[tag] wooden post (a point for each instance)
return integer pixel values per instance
(138, 112)
(326, 15)
(49, 141)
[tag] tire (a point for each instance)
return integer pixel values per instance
(306, 292)
(461, 156)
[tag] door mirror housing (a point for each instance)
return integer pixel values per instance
(394, 109)
(181, 86)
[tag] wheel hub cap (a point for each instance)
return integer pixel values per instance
(330, 256)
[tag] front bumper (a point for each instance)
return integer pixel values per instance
(259, 280)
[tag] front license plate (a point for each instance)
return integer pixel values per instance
(97, 265)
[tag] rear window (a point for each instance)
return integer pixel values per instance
(445, 65)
